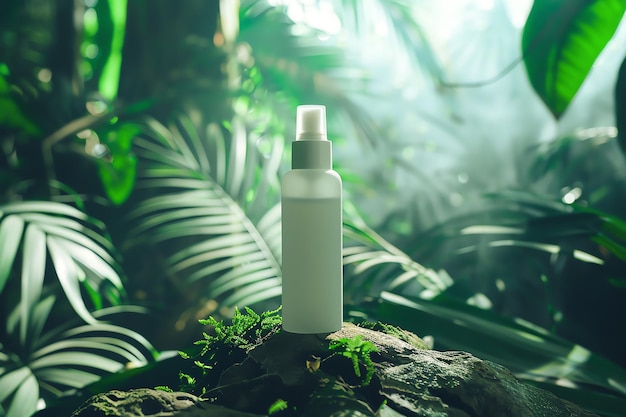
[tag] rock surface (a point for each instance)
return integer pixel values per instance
(408, 380)
(140, 402)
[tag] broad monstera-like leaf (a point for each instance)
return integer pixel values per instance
(561, 41)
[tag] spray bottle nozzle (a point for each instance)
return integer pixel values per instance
(311, 122)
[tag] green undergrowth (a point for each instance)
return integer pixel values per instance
(358, 351)
(227, 344)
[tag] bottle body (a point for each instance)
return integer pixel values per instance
(312, 242)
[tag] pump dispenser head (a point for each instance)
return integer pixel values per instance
(311, 150)
(311, 123)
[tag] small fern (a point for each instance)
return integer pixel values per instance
(358, 351)
(187, 382)
(246, 331)
(277, 406)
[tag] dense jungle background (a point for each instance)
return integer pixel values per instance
(142, 144)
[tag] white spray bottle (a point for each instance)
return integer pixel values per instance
(312, 231)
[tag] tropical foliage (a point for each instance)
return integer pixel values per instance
(141, 147)
(555, 34)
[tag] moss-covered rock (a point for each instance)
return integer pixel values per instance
(299, 375)
(139, 402)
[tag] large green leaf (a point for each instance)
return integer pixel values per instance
(561, 41)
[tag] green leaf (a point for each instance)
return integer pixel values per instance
(118, 175)
(561, 41)
(44, 207)
(255, 292)
(72, 378)
(278, 405)
(11, 381)
(375, 264)
(64, 358)
(39, 316)
(88, 260)
(69, 228)
(33, 273)
(10, 113)
(109, 81)
(11, 230)
(236, 164)
(69, 276)
(620, 105)
(24, 402)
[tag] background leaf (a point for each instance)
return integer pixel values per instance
(118, 173)
(10, 235)
(65, 356)
(205, 203)
(25, 398)
(561, 41)
(80, 254)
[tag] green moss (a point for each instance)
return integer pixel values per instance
(395, 331)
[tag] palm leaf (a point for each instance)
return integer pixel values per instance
(63, 358)
(24, 396)
(523, 220)
(377, 265)
(11, 230)
(531, 257)
(203, 207)
(76, 244)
